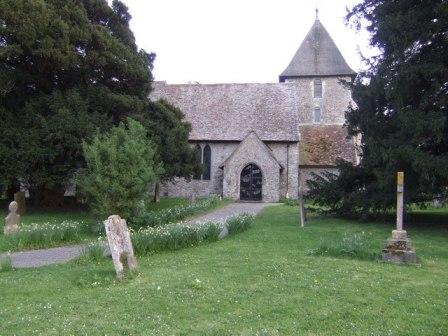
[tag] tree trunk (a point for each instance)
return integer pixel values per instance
(157, 193)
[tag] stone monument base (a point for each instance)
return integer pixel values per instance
(399, 249)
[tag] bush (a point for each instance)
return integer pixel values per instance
(120, 168)
(352, 246)
(177, 236)
(47, 234)
(143, 218)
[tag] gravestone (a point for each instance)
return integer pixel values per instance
(120, 245)
(19, 197)
(12, 220)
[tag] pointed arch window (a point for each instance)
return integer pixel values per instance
(198, 153)
(317, 88)
(204, 156)
(317, 115)
(206, 162)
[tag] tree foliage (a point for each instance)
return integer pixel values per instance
(66, 68)
(120, 168)
(170, 133)
(401, 111)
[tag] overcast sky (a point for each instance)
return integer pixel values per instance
(230, 41)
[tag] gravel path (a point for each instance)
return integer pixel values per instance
(37, 258)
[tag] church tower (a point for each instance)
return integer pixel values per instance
(317, 68)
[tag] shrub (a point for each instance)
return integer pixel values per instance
(120, 168)
(352, 246)
(143, 218)
(5, 263)
(47, 234)
(177, 236)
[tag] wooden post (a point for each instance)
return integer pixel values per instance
(301, 208)
(400, 192)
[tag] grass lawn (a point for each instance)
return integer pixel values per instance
(260, 282)
(40, 217)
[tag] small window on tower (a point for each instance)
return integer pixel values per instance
(317, 88)
(317, 118)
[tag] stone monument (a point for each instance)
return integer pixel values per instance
(398, 248)
(120, 245)
(19, 197)
(12, 220)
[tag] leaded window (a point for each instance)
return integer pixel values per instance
(206, 162)
(317, 116)
(317, 88)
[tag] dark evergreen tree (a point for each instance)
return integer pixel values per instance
(401, 110)
(66, 68)
(170, 133)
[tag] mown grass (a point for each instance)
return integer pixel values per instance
(260, 282)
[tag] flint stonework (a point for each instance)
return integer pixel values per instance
(280, 114)
(120, 245)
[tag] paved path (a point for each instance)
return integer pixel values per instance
(37, 258)
(230, 210)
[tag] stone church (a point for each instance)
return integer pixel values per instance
(258, 142)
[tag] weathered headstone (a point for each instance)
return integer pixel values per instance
(120, 245)
(19, 197)
(193, 198)
(398, 248)
(12, 221)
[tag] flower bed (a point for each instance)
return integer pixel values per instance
(145, 219)
(177, 236)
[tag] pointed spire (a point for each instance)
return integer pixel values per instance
(318, 55)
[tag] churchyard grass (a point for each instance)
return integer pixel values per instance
(259, 282)
(145, 217)
(5, 263)
(177, 236)
(44, 229)
(48, 229)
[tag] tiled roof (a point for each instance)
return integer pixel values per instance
(322, 145)
(318, 55)
(228, 112)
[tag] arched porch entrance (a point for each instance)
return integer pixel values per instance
(251, 183)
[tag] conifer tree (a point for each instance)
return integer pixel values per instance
(66, 69)
(401, 111)
(170, 134)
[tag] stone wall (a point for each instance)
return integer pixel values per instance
(334, 102)
(220, 151)
(274, 187)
